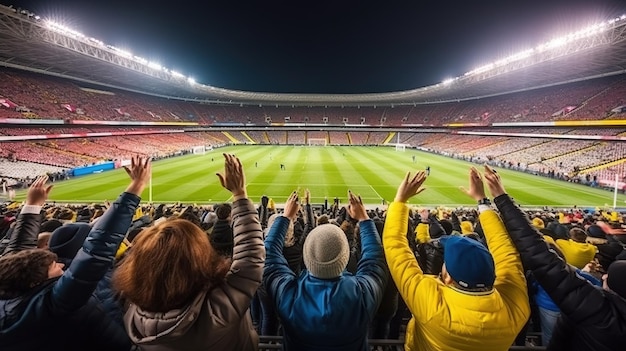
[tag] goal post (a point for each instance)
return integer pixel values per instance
(401, 147)
(317, 142)
(199, 150)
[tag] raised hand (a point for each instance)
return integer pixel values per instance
(139, 171)
(410, 186)
(38, 191)
(307, 196)
(494, 183)
(356, 209)
(233, 178)
(292, 206)
(476, 188)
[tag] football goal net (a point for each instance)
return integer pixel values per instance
(199, 150)
(317, 142)
(401, 147)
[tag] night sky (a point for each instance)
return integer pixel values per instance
(334, 47)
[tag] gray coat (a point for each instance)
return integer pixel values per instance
(217, 319)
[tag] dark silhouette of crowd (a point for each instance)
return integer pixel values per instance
(240, 276)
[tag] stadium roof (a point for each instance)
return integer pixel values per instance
(32, 44)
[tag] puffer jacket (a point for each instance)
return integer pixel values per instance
(325, 314)
(25, 237)
(591, 318)
(217, 319)
(24, 234)
(62, 312)
(448, 319)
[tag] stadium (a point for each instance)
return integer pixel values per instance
(96, 104)
(550, 120)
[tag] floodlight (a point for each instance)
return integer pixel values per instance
(155, 65)
(178, 75)
(447, 81)
(191, 81)
(63, 29)
(140, 60)
(554, 43)
(94, 40)
(120, 51)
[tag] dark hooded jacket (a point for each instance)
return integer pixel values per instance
(591, 318)
(61, 313)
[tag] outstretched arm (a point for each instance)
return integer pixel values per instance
(371, 270)
(24, 235)
(571, 293)
(510, 279)
(96, 256)
(277, 274)
(246, 271)
(308, 212)
(403, 266)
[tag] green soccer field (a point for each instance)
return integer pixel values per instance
(328, 172)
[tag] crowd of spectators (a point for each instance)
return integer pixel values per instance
(44, 97)
(567, 157)
(306, 277)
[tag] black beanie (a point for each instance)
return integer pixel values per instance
(595, 231)
(222, 237)
(66, 240)
(50, 225)
(616, 279)
(447, 226)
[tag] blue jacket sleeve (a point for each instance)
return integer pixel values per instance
(96, 256)
(371, 273)
(276, 273)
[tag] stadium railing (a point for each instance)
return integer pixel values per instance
(274, 343)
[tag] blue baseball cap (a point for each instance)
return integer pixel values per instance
(468, 262)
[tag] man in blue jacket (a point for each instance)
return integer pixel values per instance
(325, 308)
(44, 308)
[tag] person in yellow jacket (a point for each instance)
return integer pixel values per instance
(480, 300)
(576, 250)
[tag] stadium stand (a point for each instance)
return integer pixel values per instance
(54, 132)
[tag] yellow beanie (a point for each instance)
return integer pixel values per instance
(538, 223)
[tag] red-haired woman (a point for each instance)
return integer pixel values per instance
(183, 295)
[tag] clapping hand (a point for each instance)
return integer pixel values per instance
(476, 188)
(410, 186)
(492, 178)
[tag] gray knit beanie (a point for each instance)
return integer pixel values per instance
(326, 252)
